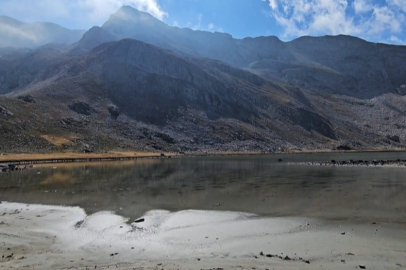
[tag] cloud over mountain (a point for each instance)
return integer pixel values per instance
(383, 20)
(374, 20)
(18, 34)
(87, 13)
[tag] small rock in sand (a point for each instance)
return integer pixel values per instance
(139, 220)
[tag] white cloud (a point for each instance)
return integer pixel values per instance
(362, 6)
(312, 17)
(8, 30)
(85, 13)
(210, 27)
(385, 19)
(365, 18)
(198, 25)
(273, 4)
(103, 8)
(34, 9)
(397, 40)
(401, 4)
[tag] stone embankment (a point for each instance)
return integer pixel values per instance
(18, 165)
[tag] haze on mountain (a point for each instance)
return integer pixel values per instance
(138, 83)
(18, 34)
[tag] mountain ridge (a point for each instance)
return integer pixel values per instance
(182, 90)
(272, 58)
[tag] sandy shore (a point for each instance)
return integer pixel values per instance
(51, 237)
(42, 156)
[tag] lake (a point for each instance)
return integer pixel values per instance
(253, 184)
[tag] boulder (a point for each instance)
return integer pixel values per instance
(114, 111)
(139, 220)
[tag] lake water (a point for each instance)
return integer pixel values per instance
(254, 184)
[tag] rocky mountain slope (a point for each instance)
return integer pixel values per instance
(18, 34)
(136, 95)
(172, 89)
(341, 64)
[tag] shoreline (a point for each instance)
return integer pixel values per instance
(357, 163)
(70, 157)
(49, 158)
(59, 237)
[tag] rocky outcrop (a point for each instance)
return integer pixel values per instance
(311, 121)
(5, 111)
(27, 98)
(165, 137)
(114, 111)
(343, 147)
(401, 90)
(81, 108)
(393, 138)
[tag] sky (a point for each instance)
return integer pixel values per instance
(373, 20)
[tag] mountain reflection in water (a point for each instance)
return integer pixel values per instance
(254, 184)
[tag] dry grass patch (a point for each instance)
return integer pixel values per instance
(58, 140)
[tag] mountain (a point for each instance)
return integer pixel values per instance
(93, 38)
(128, 22)
(136, 83)
(17, 34)
(333, 64)
(21, 67)
(135, 94)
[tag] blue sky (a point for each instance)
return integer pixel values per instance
(373, 20)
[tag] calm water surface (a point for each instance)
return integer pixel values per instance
(255, 184)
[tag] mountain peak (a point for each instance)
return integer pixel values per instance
(129, 10)
(128, 14)
(130, 22)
